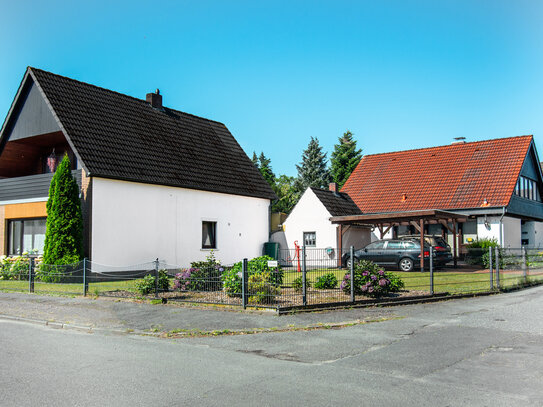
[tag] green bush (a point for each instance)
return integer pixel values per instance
(14, 268)
(326, 282)
(260, 288)
(298, 284)
(231, 278)
(147, 284)
(371, 281)
(477, 251)
(202, 275)
(64, 225)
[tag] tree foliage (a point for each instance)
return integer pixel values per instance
(344, 158)
(313, 170)
(266, 169)
(64, 225)
(287, 193)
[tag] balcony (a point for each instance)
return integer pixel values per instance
(29, 187)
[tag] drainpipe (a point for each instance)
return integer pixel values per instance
(501, 226)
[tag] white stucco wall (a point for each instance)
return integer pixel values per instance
(511, 232)
(134, 223)
(533, 231)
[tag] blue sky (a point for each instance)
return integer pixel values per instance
(398, 74)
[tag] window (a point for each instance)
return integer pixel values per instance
(527, 188)
(375, 246)
(26, 235)
(310, 239)
(394, 245)
(209, 235)
(409, 245)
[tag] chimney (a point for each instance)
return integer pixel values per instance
(154, 99)
(459, 140)
(333, 187)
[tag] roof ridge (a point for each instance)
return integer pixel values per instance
(449, 145)
(119, 93)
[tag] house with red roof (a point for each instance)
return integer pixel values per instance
(495, 184)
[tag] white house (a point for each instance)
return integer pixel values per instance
(309, 224)
(155, 182)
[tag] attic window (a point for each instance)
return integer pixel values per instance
(527, 188)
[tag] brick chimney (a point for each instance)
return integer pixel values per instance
(333, 187)
(154, 99)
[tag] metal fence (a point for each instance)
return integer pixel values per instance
(300, 278)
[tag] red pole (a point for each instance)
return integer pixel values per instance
(297, 255)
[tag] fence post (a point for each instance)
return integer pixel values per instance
(244, 284)
(304, 276)
(497, 268)
(524, 273)
(431, 270)
(156, 278)
(31, 275)
(352, 273)
(490, 256)
(85, 282)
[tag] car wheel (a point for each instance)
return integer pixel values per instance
(406, 264)
(348, 262)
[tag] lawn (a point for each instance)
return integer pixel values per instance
(444, 281)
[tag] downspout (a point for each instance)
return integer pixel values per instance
(501, 227)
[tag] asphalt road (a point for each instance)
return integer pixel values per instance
(485, 351)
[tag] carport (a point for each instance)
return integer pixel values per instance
(385, 221)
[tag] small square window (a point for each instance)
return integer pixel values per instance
(310, 239)
(209, 235)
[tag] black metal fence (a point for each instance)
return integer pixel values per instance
(297, 278)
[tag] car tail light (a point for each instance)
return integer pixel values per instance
(426, 254)
(439, 248)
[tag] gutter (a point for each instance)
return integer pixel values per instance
(501, 226)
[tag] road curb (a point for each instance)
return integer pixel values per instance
(88, 329)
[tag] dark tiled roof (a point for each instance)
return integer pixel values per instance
(457, 176)
(121, 137)
(337, 204)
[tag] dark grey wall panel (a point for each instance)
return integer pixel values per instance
(526, 207)
(33, 186)
(34, 118)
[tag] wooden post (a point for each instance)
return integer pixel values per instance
(455, 260)
(422, 245)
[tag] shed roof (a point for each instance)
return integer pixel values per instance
(337, 204)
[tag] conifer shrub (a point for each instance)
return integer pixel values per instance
(64, 225)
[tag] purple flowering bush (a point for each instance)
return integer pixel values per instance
(201, 276)
(371, 281)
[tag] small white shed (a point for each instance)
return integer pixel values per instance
(309, 224)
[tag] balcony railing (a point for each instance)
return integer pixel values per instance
(29, 187)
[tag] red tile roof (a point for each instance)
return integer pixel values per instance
(456, 176)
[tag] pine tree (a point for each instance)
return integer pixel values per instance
(344, 158)
(255, 160)
(64, 225)
(313, 170)
(266, 169)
